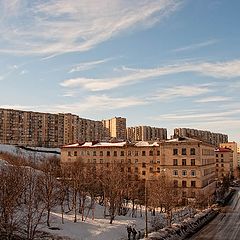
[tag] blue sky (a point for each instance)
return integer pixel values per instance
(163, 63)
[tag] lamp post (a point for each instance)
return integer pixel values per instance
(146, 203)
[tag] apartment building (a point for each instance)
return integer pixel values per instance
(224, 162)
(115, 128)
(205, 136)
(233, 147)
(46, 129)
(146, 133)
(189, 163)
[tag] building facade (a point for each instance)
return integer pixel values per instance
(206, 136)
(46, 129)
(146, 133)
(233, 147)
(189, 163)
(115, 128)
(224, 163)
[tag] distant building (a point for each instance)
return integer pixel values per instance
(205, 136)
(233, 147)
(115, 128)
(46, 129)
(146, 133)
(189, 163)
(224, 162)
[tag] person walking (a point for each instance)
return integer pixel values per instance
(129, 231)
(134, 233)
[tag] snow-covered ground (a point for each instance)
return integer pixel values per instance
(33, 155)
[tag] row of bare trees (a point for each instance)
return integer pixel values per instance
(29, 194)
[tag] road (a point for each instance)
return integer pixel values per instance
(226, 226)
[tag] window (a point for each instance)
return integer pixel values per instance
(175, 183)
(143, 172)
(158, 169)
(143, 153)
(129, 169)
(184, 194)
(69, 154)
(129, 153)
(216, 160)
(115, 153)
(75, 153)
(193, 183)
(221, 160)
(108, 153)
(184, 162)
(122, 153)
(151, 170)
(192, 162)
(136, 169)
(184, 151)
(175, 162)
(221, 155)
(151, 153)
(143, 164)
(151, 161)
(136, 153)
(136, 160)
(175, 151)
(158, 153)
(184, 183)
(222, 165)
(193, 173)
(192, 151)
(216, 155)
(101, 153)
(158, 161)
(175, 172)
(184, 173)
(216, 164)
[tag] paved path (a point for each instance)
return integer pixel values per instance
(226, 226)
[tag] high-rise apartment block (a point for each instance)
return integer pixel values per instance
(189, 163)
(205, 136)
(115, 128)
(46, 129)
(146, 133)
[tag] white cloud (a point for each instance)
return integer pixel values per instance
(228, 69)
(181, 91)
(60, 26)
(213, 99)
(88, 65)
(195, 46)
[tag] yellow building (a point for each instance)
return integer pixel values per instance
(224, 163)
(189, 163)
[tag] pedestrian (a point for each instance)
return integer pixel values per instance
(134, 232)
(129, 231)
(139, 235)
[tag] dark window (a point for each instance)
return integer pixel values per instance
(101, 153)
(192, 151)
(158, 153)
(175, 151)
(192, 162)
(175, 172)
(129, 153)
(193, 183)
(143, 172)
(143, 153)
(94, 153)
(216, 155)
(151, 153)
(221, 155)
(136, 169)
(143, 164)
(184, 172)
(175, 162)
(158, 169)
(69, 154)
(184, 162)
(184, 151)
(75, 153)
(108, 153)
(115, 153)
(151, 170)
(222, 165)
(184, 183)
(129, 169)
(136, 153)
(122, 153)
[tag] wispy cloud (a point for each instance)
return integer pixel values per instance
(60, 26)
(181, 91)
(228, 69)
(196, 46)
(88, 65)
(214, 99)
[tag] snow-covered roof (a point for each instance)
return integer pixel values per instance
(183, 139)
(96, 144)
(146, 144)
